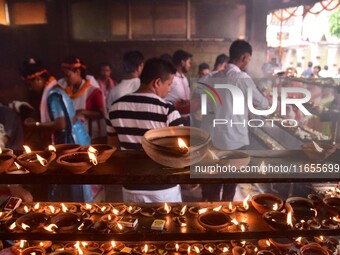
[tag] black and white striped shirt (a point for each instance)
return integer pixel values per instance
(134, 114)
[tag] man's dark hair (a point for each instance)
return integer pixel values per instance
(132, 60)
(220, 60)
(238, 48)
(325, 67)
(33, 66)
(155, 68)
(310, 63)
(180, 55)
(74, 63)
(317, 67)
(102, 64)
(203, 66)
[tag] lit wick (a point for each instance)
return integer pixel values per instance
(317, 147)
(183, 148)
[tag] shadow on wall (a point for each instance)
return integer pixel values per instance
(12, 87)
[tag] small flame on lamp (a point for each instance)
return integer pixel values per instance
(25, 226)
(0, 150)
(36, 207)
(182, 146)
(84, 244)
(213, 154)
(317, 147)
(183, 210)
(22, 244)
(12, 226)
(64, 208)
(289, 219)
(176, 247)
(197, 250)
(216, 209)
(41, 160)
(243, 243)
(27, 149)
(81, 226)
(321, 238)
(115, 211)
(113, 244)
(245, 202)
(120, 226)
(275, 207)
(335, 219)
(88, 206)
(52, 148)
(109, 217)
(145, 249)
(243, 228)
(103, 209)
(230, 206)
(92, 155)
(298, 240)
(189, 250)
(17, 165)
(51, 227)
(234, 221)
(203, 210)
(211, 250)
(225, 249)
(315, 212)
(130, 209)
(52, 209)
(267, 243)
(166, 208)
(26, 209)
(77, 246)
(41, 244)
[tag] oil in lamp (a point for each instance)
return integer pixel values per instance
(229, 209)
(164, 209)
(245, 206)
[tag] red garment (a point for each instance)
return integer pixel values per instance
(94, 102)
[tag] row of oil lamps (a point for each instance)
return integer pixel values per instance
(307, 246)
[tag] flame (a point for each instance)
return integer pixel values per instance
(0, 150)
(183, 210)
(189, 249)
(234, 221)
(109, 217)
(113, 244)
(88, 206)
(275, 207)
(197, 250)
(243, 243)
(267, 243)
(315, 212)
(41, 160)
(41, 244)
(52, 148)
(176, 246)
(217, 208)
(81, 226)
(64, 208)
(213, 154)
(36, 207)
(321, 238)
(17, 165)
(26, 209)
(289, 219)
(52, 209)
(115, 211)
(298, 240)
(256, 249)
(317, 147)
(225, 249)
(130, 209)
(33, 253)
(211, 250)
(27, 149)
(77, 246)
(22, 244)
(203, 210)
(182, 145)
(92, 155)
(335, 219)
(103, 209)
(243, 228)
(245, 202)
(166, 208)
(145, 249)
(12, 226)
(230, 206)
(25, 226)
(51, 227)
(120, 226)
(84, 244)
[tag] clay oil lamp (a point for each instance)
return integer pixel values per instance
(214, 221)
(117, 227)
(176, 147)
(313, 249)
(117, 246)
(301, 225)
(329, 223)
(36, 162)
(332, 205)
(111, 217)
(61, 149)
(194, 210)
(120, 209)
(51, 210)
(180, 210)
(20, 245)
(316, 151)
(31, 222)
(147, 211)
(133, 209)
(51, 228)
(24, 209)
(210, 247)
(251, 249)
(66, 222)
(77, 162)
(100, 226)
(229, 209)
(171, 246)
(197, 248)
(44, 244)
(102, 151)
(300, 241)
(92, 246)
(35, 250)
(317, 200)
(278, 220)
(165, 209)
(184, 247)
(303, 208)
(103, 209)
(313, 224)
(106, 247)
(6, 151)
(237, 250)
(68, 208)
(5, 216)
(145, 249)
(281, 243)
(57, 247)
(244, 207)
(266, 203)
(235, 243)
(6, 161)
(264, 244)
(319, 239)
(88, 208)
(238, 226)
(38, 208)
(223, 247)
(17, 169)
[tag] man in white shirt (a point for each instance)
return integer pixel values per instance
(133, 62)
(180, 91)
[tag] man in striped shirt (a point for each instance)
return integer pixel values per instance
(134, 114)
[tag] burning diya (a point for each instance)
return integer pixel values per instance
(165, 209)
(102, 151)
(103, 209)
(332, 205)
(68, 208)
(52, 210)
(76, 162)
(6, 151)
(266, 203)
(66, 222)
(180, 210)
(214, 221)
(194, 210)
(109, 217)
(313, 249)
(132, 209)
(235, 159)
(36, 250)
(31, 222)
(5, 162)
(237, 250)
(147, 211)
(278, 220)
(36, 162)
(176, 147)
(24, 209)
(318, 151)
(88, 208)
(61, 149)
(281, 243)
(144, 249)
(120, 209)
(303, 208)
(229, 209)
(5, 216)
